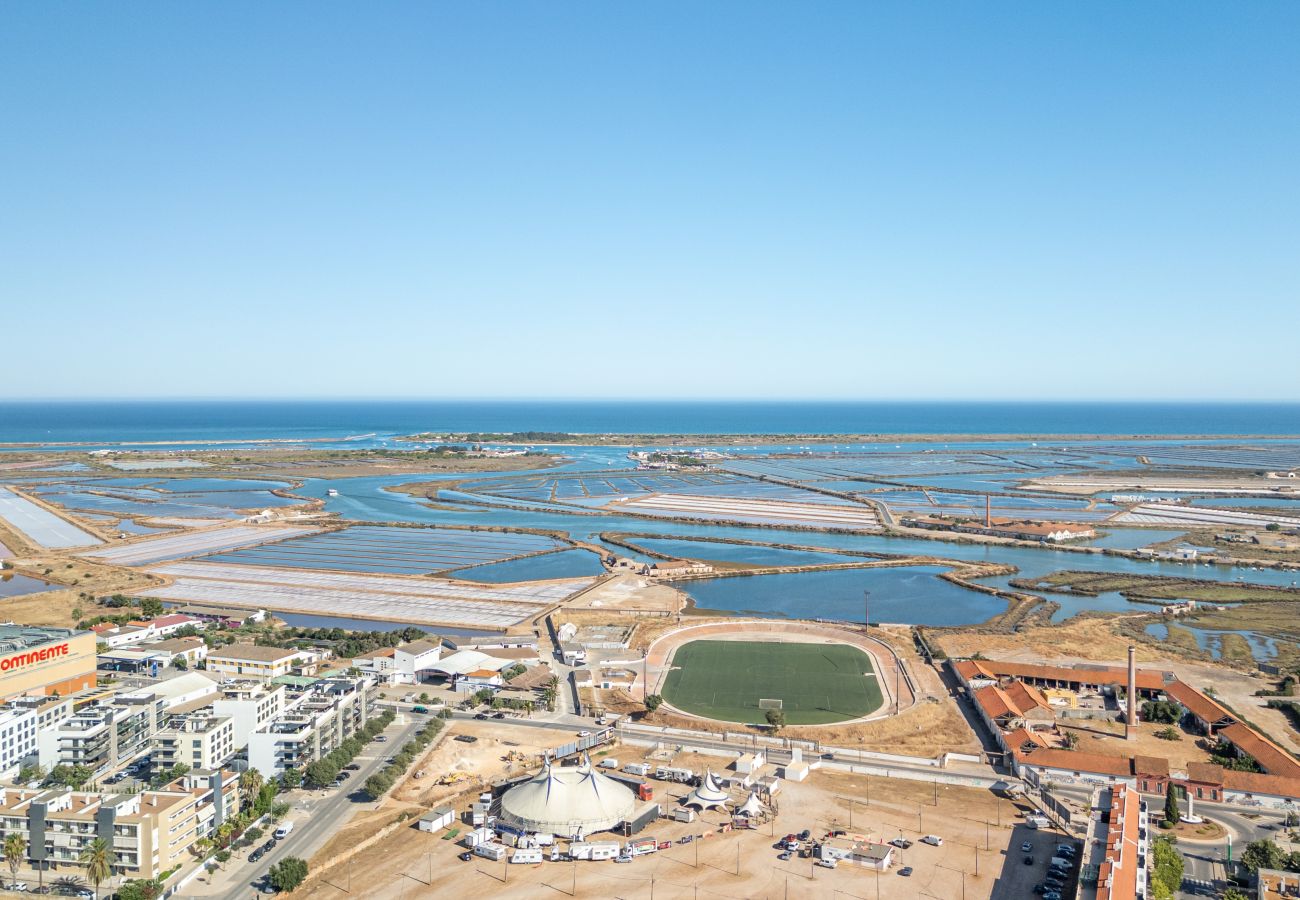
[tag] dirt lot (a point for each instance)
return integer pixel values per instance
(81, 582)
(628, 593)
(735, 864)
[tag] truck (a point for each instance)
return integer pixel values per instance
(637, 769)
(1037, 821)
(609, 763)
(522, 856)
(494, 852)
(643, 790)
(683, 814)
(595, 850)
(641, 847)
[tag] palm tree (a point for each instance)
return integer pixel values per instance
(250, 782)
(98, 860)
(15, 853)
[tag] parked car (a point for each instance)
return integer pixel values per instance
(499, 715)
(900, 843)
(381, 739)
(1029, 860)
(622, 859)
(255, 855)
(784, 856)
(480, 716)
(1027, 847)
(466, 738)
(933, 840)
(906, 871)
(805, 835)
(827, 863)
(466, 856)
(584, 734)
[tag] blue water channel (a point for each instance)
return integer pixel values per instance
(365, 499)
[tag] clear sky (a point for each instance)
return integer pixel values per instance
(857, 200)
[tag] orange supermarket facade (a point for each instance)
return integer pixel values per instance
(42, 661)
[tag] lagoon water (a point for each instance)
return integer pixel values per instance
(911, 594)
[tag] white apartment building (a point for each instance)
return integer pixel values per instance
(104, 735)
(21, 720)
(315, 723)
(199, 741)
(250, 705)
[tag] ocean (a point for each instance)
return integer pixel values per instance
(245, 420)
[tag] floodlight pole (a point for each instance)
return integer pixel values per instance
(866, 607)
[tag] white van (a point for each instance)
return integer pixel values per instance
(640, 769)
(532, 855)
(283, 831)
(610, 763)
(1037, 821)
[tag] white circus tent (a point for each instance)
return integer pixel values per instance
(752, 807)
(568, 802)
(709, 794)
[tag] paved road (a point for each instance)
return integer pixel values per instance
(317, 814)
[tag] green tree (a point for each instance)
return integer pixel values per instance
(321, 772)
(653, 702)
(1263, 855)
(98, 859)
(1166, 869)
(15, 852)
(1172, 814)
(180, 663)
(288, 873)
(377, 785)
(250, 782)
(150, 608)
(140, 889)
(291, 778)
(1169, 733)
(776, 719)
(279, 811)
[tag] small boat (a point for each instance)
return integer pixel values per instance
(331, 493)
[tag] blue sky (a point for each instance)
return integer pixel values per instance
(655, 200)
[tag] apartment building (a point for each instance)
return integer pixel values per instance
(103, 736)
(317, 722)
(149, 833)
(250, 705)
(21, 720)
(197, 741)
(249, 661)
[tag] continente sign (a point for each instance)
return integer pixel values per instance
(32, 657)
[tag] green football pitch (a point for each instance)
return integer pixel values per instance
(817, 683)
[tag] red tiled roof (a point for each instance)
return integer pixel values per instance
(1255, 783)
(1075, 761)
(1117, 875)
(1205, 773)
(1150, 765)
(1200, 705)
(1147, 680)
(1271, 758)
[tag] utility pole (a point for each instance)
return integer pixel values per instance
(866, 609)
